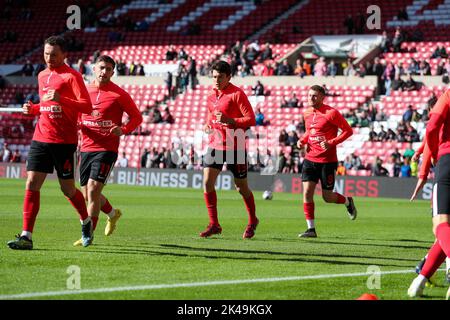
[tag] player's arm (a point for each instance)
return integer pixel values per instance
(420, 150)
(437, 117)
(423, 172)
(82, 101)
(338, 120)
(248, 116)
(303, 140)
(132, 111)
(29, 108)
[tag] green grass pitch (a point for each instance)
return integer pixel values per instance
(156, 244)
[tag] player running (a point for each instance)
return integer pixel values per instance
(101, 131)
(63, 95)
(230, 115)
(321, 138)
(438, 141)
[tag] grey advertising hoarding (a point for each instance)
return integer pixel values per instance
(166, 178)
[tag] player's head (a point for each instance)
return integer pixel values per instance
(104, 69)
(55, 51)
(221, 73)
(316, 94)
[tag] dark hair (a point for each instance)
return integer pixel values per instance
(106, 59)
(57, 41)
(222, 67)
(318, 88)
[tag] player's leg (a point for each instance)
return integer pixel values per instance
(241, 185)
(328, 177)
(310, 178)
(31, 204)
(113, 214)
(210, 175)
(39, 164)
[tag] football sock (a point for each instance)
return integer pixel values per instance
(94, 222)
(211, 205)
(435, 258)
(77, 201)
(31, 204)
(251, 208)
(341, 199)
(443, 236)
(108, 209)
(308, 210)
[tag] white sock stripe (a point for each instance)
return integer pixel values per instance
(194, 284)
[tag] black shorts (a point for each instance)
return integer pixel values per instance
(96, 166)
(441, 187)
(236, 161)
(315, 171)
(44, 157)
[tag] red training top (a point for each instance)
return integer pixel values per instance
(233, 103)
(109, 103)
(438, 127)
(58, 120)
(322, 124)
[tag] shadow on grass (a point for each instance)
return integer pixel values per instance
(244, 255)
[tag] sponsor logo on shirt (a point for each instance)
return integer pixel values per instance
(52, 109)
(101, 124)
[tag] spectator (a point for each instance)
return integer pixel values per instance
(132, 71)
(95, 55)
(378, 170)
(123, 161)
(397, 167)
(356, 162)
(341, 170)
(350, 70)
(27, 69)
(285, 69)
(385, 42)
(292, 138)
(396, 154)
(192, 72)
(382, 135)
(171, 53)
(121, 68)
(373, 136)
(440, 52)
(293, 101)
(166, 116)
(320, 68)
(332, 69)
(410, 84)
(283, 137)
(397, 83)
(258, 89)
(409, 152)
(291, 127)
(259, 116)
(299, 71)
(16, 156)
(388, 76)
(284, 102)
(19, 97)
(144, 158)
(351, 118)
(408, 114)
(168, 82)
(348, 162)
(155, 115)
(402, 15)
(405, 169)
(363, 121)
(2, 82)
(7, 154)
(182, 55)
(424, 68)
(81, 68)
(397, 40)
(266, 54)
(153, 159)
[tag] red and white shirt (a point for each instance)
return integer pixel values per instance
(233, 103)
(322, 124)
(109, 103)
(58, 120)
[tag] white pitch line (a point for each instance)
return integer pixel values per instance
(192, 284)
